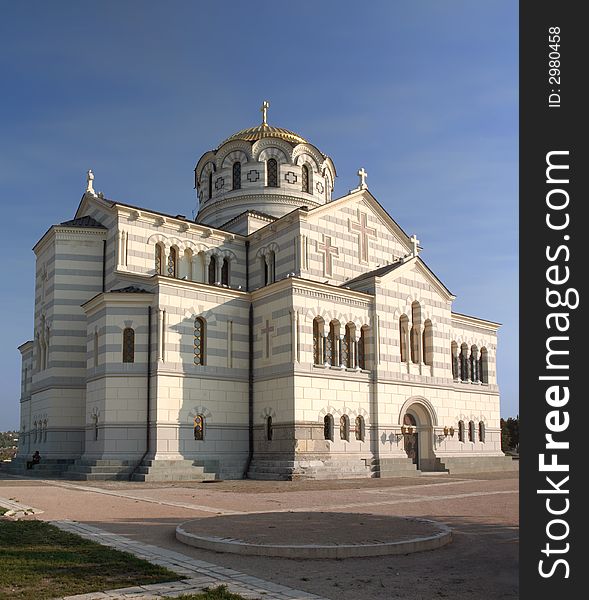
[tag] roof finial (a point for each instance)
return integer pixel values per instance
(264, 108)
(414, 245)
(363, 175)
(89, 180)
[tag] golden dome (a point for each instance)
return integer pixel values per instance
(265, 131)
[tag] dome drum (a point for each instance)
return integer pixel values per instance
(264, 168)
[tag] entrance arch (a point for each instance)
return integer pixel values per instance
(417, 419)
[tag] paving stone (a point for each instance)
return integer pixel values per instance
(205, 574)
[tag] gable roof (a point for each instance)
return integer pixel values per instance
(378, 272)
(396, 267)
(130, 289)
(371, 202)
(85, 222)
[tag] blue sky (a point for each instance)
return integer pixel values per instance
(422, 94)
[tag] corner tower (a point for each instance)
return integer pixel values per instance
(265, 169)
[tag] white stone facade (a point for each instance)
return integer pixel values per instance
(230, 341)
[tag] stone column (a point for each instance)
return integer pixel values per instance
(160, 334)
(219, 267)
(206, 262)
(119, 249)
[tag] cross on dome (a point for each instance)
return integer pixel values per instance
(264, 108)
(363, 175)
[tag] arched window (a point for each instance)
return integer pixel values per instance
(237, 175)
(45, 430)
(199, 341)
(471, 431)
(318, 354)
(360, 428)
(328, 427)
(35, 430)
(461, 431)
(464, 374)
(265, 270)
(128, 345)
(225, 272)
(269, 267)
(199, 427)
(428, 343)
(454, 359)
(269, 428)
(344, 428)
(414, 334)
(272, 172)
(332, 349)
(305, 178)
(474, 363)
(481, 431)
(484, 366)
(348, 349)
(159, 259)
(173, 262)
(403, 332)
(210, 185)
(362, 349)
(213, 271)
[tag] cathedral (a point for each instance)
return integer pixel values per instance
(282, 334)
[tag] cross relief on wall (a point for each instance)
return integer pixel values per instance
(364, 234)
(267, 334)
(328, 251)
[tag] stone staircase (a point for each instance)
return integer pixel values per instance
(286, 470)
(48, 468)
(395, 466)
(173, 470)
(462, 465)
(100, 470)
(273, 470)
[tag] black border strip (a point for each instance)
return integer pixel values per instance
(547, 127)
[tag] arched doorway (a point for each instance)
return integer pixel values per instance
(417, 419)
(411, 438)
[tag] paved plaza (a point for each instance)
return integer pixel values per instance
(481, 510)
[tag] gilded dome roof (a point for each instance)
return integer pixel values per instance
(264, 130)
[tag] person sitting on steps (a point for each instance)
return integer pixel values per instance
(35, 461)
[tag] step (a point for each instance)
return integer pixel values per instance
(101, 462)
(463, 465)
(270, 476)
(99, 469)
(173, 476)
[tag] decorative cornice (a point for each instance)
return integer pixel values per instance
(57, 232)
(116, 298)
(245, 199)
(460, 319)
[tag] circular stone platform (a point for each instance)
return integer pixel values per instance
(313, 534)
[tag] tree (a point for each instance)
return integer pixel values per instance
(510, 433)
(8, 444)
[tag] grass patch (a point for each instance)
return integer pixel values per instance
(218, 593)
(2, 510)
(40, 561)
